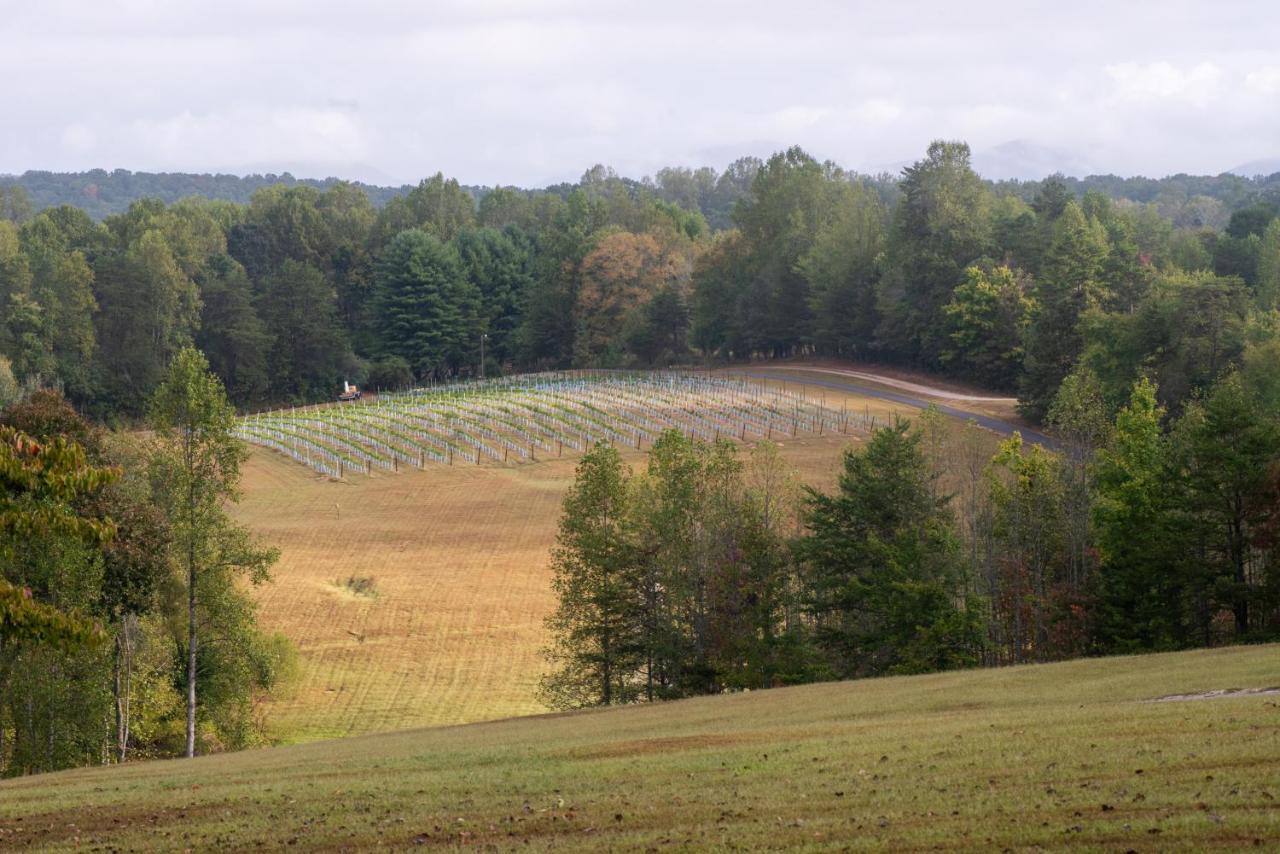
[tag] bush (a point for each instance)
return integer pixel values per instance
(360, 585)
(390, 373)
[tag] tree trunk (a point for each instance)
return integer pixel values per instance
(117, 691)
(191, 654)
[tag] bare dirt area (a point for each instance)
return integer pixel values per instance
(1220, 694)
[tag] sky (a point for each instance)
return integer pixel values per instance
(532, 93)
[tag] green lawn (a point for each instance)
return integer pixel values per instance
(1053, 755)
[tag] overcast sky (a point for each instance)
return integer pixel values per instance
(491, 91)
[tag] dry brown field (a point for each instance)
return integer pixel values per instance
(458, 558)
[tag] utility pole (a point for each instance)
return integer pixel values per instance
(483, 336)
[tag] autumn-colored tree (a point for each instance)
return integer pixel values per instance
(621, 274)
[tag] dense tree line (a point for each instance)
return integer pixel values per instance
(124, 629)
(703, 574)
(1010, 285)
(101, 193)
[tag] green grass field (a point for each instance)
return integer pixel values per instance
(1071, 754)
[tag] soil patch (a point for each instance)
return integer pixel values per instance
(1217, 695)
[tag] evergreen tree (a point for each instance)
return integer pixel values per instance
(940, 227)
(231, 334)
(307, 353)
(883, 566)
(1226, 501)
(500, 265)
(595, 649)
(842, 268)
(426, 311)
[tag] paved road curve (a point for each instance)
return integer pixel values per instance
(996, 425)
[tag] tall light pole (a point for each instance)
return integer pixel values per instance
(483, 336)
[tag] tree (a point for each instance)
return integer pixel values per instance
(500, 264)
(1267, 292)
(68, 294)
(121, 578)
(425, 310)
(9, 388)
(1029, 532)
(15, 204)
(307, 352)
(719, 275)
(594, 649)
(40, 484)
(149, 309)
(196, 471)
(940, 227)
(883, 568)
(546, 333)
(842, 268)
(439, 207)
(1079, 418)
(619, 277)
(1226, 451)
(1067, 287)
(791, 201)
(1137, 591)
(989, 314)
(232, 335)
(282, 224)
(1185, 333)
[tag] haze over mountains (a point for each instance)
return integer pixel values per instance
(102, 192)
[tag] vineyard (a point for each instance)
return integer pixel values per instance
(525, 418)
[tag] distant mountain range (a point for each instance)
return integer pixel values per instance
(100, 192)
(1266, 166)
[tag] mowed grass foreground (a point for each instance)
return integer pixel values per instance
(451, 627)
(1071, 754)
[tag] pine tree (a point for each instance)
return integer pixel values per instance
(883, 565)
(595, 650)
(426, 311)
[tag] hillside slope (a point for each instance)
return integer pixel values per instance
(1048, 755)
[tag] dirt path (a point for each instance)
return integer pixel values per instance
(915, 388)
(843, 381)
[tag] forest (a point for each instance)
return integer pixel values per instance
(1010, 285)
(1139, 320)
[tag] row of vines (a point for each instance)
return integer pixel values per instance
(536, 416)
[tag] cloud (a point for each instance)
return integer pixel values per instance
(251, 136)
(1264, 81)
(1162, 81)
(534, 91)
